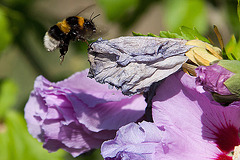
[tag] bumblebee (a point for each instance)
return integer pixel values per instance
(74, 28)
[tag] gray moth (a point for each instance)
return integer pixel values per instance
(132, 64)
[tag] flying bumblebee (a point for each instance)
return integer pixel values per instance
(74, 28)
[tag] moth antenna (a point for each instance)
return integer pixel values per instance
(85, 9)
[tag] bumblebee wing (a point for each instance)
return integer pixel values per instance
(50, 43)
(101, 31)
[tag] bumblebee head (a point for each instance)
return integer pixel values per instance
(89, 25)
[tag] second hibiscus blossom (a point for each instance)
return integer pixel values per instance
(78, 114)
(187, 125)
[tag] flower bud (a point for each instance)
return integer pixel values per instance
(222, 79)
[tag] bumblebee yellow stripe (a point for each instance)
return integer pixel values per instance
(64, 26)
(80, 21)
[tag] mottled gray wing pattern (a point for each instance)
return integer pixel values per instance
(132, 64)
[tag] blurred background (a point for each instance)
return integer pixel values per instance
(23, 57)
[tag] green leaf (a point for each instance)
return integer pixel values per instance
(230, 47)
(190, 34)
(190, 13)
(183, 33)
(5, 35)
(8, 96)
(233, 84)
(137, 34)
(151, 35)
(231, 65)
(233, 49)
(140, 34)
(167, 34)
(17, 143)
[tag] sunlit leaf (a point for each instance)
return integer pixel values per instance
(233, 49)
(183, 33)
(140, 34)
(137, 34)
(191, 34)
(167, 34)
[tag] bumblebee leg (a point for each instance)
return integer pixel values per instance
(89, 47)
(63, 49)
(86, 42)
(61, 58)
(83, 40)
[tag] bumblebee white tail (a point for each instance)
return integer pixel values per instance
(50, 43)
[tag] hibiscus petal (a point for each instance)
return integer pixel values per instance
(95, 93)
(133, 141)
(182, 110)
(78, 117)
(33, 122)
(110, 115)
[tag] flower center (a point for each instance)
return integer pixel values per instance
(223, 157)
(227, 138)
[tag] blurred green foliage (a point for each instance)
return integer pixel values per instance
(232, 16)
(124, 12)
(6, 35)
(8, 92)
(15, 141)
(23, 26)
(190, 13)
(117, 10)
(17, 144)
(238, 10)
(232, 48)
